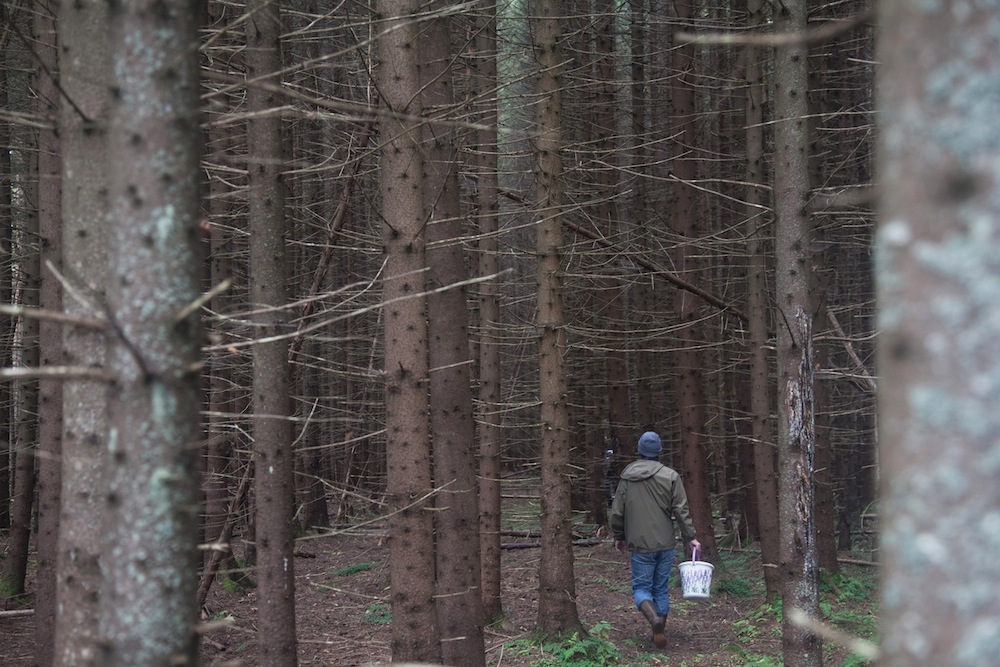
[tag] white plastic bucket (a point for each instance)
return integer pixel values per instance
(696, 578)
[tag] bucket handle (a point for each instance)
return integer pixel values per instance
(694, 553)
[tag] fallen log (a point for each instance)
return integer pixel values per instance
(536, 544)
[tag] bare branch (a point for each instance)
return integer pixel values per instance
(869, 381)
(71, 290)
(811, 37)
(57, 373)
(52, 316)
(861, 647)
(204, 298)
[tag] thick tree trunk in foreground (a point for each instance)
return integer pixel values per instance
(938, 266)
(84, 58)
(148, 608)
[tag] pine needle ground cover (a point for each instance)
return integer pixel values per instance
(344, 615)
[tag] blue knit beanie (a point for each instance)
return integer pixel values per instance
(649, 445)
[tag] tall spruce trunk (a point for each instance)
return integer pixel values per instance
(274, 460)
(793, 319)
(415, 632)
(758, 225)
(222, 438)
(7, 430)
(688, 358)
(50, 407)
(557, 612)
(453, 431)
(611, 291)
(641, 205)
(14, 568)
(489, 418)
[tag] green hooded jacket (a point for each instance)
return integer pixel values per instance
(649, 497)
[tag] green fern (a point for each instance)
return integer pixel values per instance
(354, 569)
(592, 649)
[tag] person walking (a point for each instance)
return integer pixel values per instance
(648, 499)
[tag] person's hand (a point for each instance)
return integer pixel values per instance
(695, 544)
(620, 546)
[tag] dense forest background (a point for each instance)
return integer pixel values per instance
(404, 251)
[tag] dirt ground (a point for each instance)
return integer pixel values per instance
(342, 592)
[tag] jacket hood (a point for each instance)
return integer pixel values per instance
(641, 469)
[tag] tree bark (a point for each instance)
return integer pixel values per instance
(222, 438)
(6, 290)
(557, 612)
(84, 58)
(758, 306)
(936, 266)
(642, 208)
(15, 566)
(50, 407)
(490, 377)
(148, 608)
(415, 633)
(688, 358)
(821, 105)
(274, 459)
(456, 519)
(612, 294)
(793, 319)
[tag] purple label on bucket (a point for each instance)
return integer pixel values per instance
(696, 579)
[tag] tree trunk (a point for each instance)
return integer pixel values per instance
(937, 267)
(15, 566)
(688, 358)
(612, 294)
(148, 608)
(758, 306)
(820, 103)
(796, 434)
(415, 633)
(84, 57)
(50, 407)
(6, 289)
(490, 377)
(274, 460)
(453, 431)
(222, 438)
(557, 612)
(310, 483)
(644, 365)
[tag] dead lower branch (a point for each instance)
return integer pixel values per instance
(56, 373)
(53, 316)
(811, 37)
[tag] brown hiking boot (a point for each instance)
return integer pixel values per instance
(655, 622)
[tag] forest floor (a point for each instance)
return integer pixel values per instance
(343, 615)
(342, 590)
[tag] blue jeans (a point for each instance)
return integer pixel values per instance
(650, 573)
